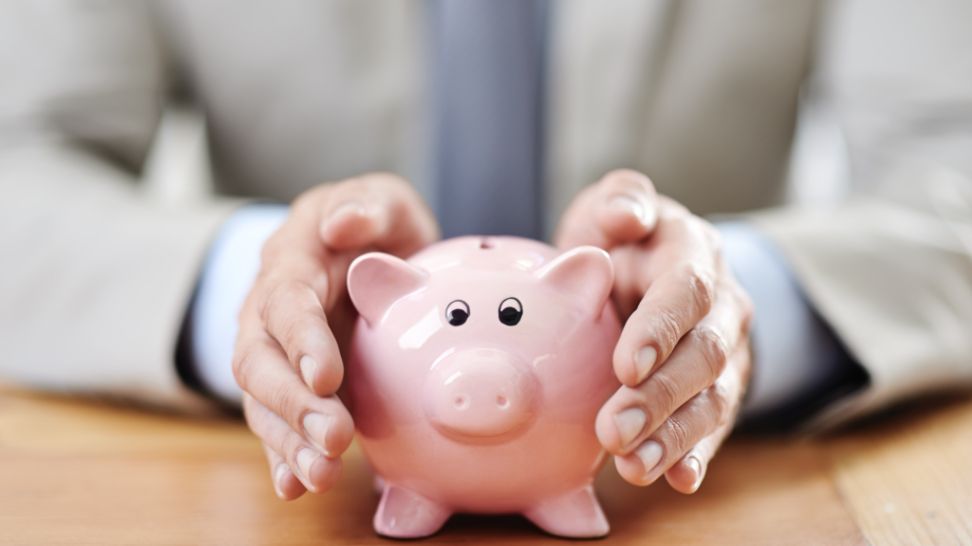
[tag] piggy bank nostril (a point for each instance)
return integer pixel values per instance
(502, 402)
(460, 402)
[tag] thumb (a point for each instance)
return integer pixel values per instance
(621, 208)
(377, 211)
(626, 208)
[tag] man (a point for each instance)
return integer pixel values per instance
(502, 115)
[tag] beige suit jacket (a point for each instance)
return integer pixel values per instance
(702, 96)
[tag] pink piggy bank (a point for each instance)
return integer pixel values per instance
(475, 374)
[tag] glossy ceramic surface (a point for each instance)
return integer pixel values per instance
(475, 374)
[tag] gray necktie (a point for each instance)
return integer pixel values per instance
(487, 72)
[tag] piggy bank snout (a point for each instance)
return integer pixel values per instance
(480, 393)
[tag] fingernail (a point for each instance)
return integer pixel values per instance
(306, 458)
(317, 425)
(351, 208)
(625, 204)
(644, 361)
(650, 454)
(308, 369)
(696, 466)
(279, 475)
(629, 423)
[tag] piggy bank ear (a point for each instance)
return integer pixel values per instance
(585, 272)
(376, 280)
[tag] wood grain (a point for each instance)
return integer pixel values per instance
(76, 472)
(908, 479)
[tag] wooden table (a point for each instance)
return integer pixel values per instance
(75, 472)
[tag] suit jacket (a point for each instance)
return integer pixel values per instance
(702, 96)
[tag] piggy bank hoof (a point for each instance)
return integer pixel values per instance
(406, 514)
(576, 514)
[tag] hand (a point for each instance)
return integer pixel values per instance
(683, 357)
(297, 316)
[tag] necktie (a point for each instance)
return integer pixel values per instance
(487, 83)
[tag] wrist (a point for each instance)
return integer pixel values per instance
(793, 350)
(227, 276)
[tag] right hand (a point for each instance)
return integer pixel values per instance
(297, 317)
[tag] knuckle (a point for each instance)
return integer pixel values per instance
(720, 400)
(666, 391)
(712, 345)
(667, 330)
(265, 307)
(678, 436)
(251, 413)
(282, 299)
(243, 367)
(748, 308)
(701, 286)
(282, 400)
(289, 334)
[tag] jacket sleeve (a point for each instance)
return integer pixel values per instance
(890, 268)
(96, 276)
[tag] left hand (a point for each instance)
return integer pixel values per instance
(683, 357)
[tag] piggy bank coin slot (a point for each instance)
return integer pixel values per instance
(486, 243)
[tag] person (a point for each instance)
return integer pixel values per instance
(502, 115)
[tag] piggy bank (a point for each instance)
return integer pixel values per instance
(475, 373)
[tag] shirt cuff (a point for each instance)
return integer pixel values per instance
(227, 277)
(795, 353)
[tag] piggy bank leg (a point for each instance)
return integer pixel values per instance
(576, 514)
(403, 513)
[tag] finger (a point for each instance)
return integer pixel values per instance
(673, 305)
(695, 364)
(316, 472)
(293, 316)
(263, 372)
(687, 474)
(626, 207)
(285, 482)
(620, 208)
(669, 443)
(377, 210)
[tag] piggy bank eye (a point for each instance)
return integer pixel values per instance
(510, 311)
(457, 312)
